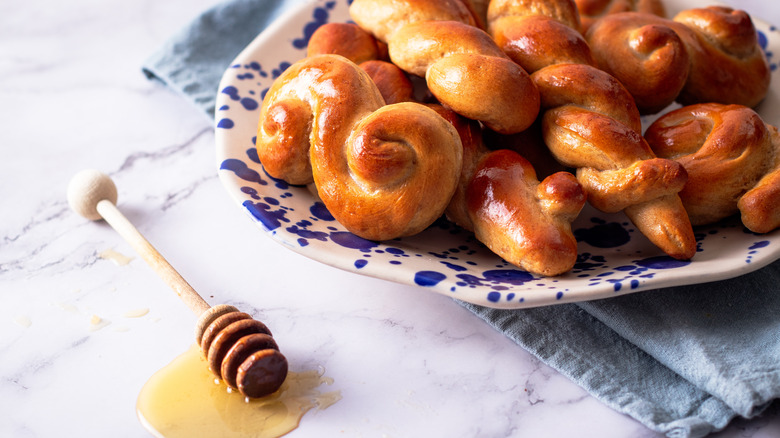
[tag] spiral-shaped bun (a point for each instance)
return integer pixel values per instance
(593, 10)
(726, 150)
(702, 55)
(382, 171)
(591, 123)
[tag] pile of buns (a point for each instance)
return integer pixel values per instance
(508, 115)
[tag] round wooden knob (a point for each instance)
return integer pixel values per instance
(86, 189)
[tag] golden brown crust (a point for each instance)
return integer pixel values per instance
(564, 11)
(382, 171)
(499, 198)
(727, 63)
(593, 10)
(392, 82)
(703, 55)
(526, 222)
(538, 33)
(536, 41)
(479, 10)
(347, 40)
(382, 18)
(466, 71)
(590, 123)
(645, 54)
(730, 155)
(759, 206)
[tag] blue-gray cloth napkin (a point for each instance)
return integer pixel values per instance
(683, 361)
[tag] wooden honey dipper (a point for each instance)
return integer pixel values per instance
(239, 349)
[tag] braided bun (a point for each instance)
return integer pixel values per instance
(382, 171)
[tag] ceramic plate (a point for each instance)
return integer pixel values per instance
(614, 258)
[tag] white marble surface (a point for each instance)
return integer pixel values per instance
(407, 362)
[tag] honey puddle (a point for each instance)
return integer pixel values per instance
(183, 400)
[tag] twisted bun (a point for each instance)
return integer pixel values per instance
(536, 41)
(538, 33)
(590, 122)
(563, 11)
(466, 71)
(382, 171)
(728, 152)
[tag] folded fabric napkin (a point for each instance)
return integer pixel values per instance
(683, 361)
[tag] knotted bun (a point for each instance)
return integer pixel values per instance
(382, 171)
(564, 11)
(702, 55)
(728, 152)
(462, 66)
(591, 123)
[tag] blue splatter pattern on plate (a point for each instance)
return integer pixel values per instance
(614, 258)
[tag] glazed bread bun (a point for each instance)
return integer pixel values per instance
(383, 171)
(524, 221)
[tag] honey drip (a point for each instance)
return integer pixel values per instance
(183, 400)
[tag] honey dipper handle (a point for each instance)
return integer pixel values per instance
(172, 278)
